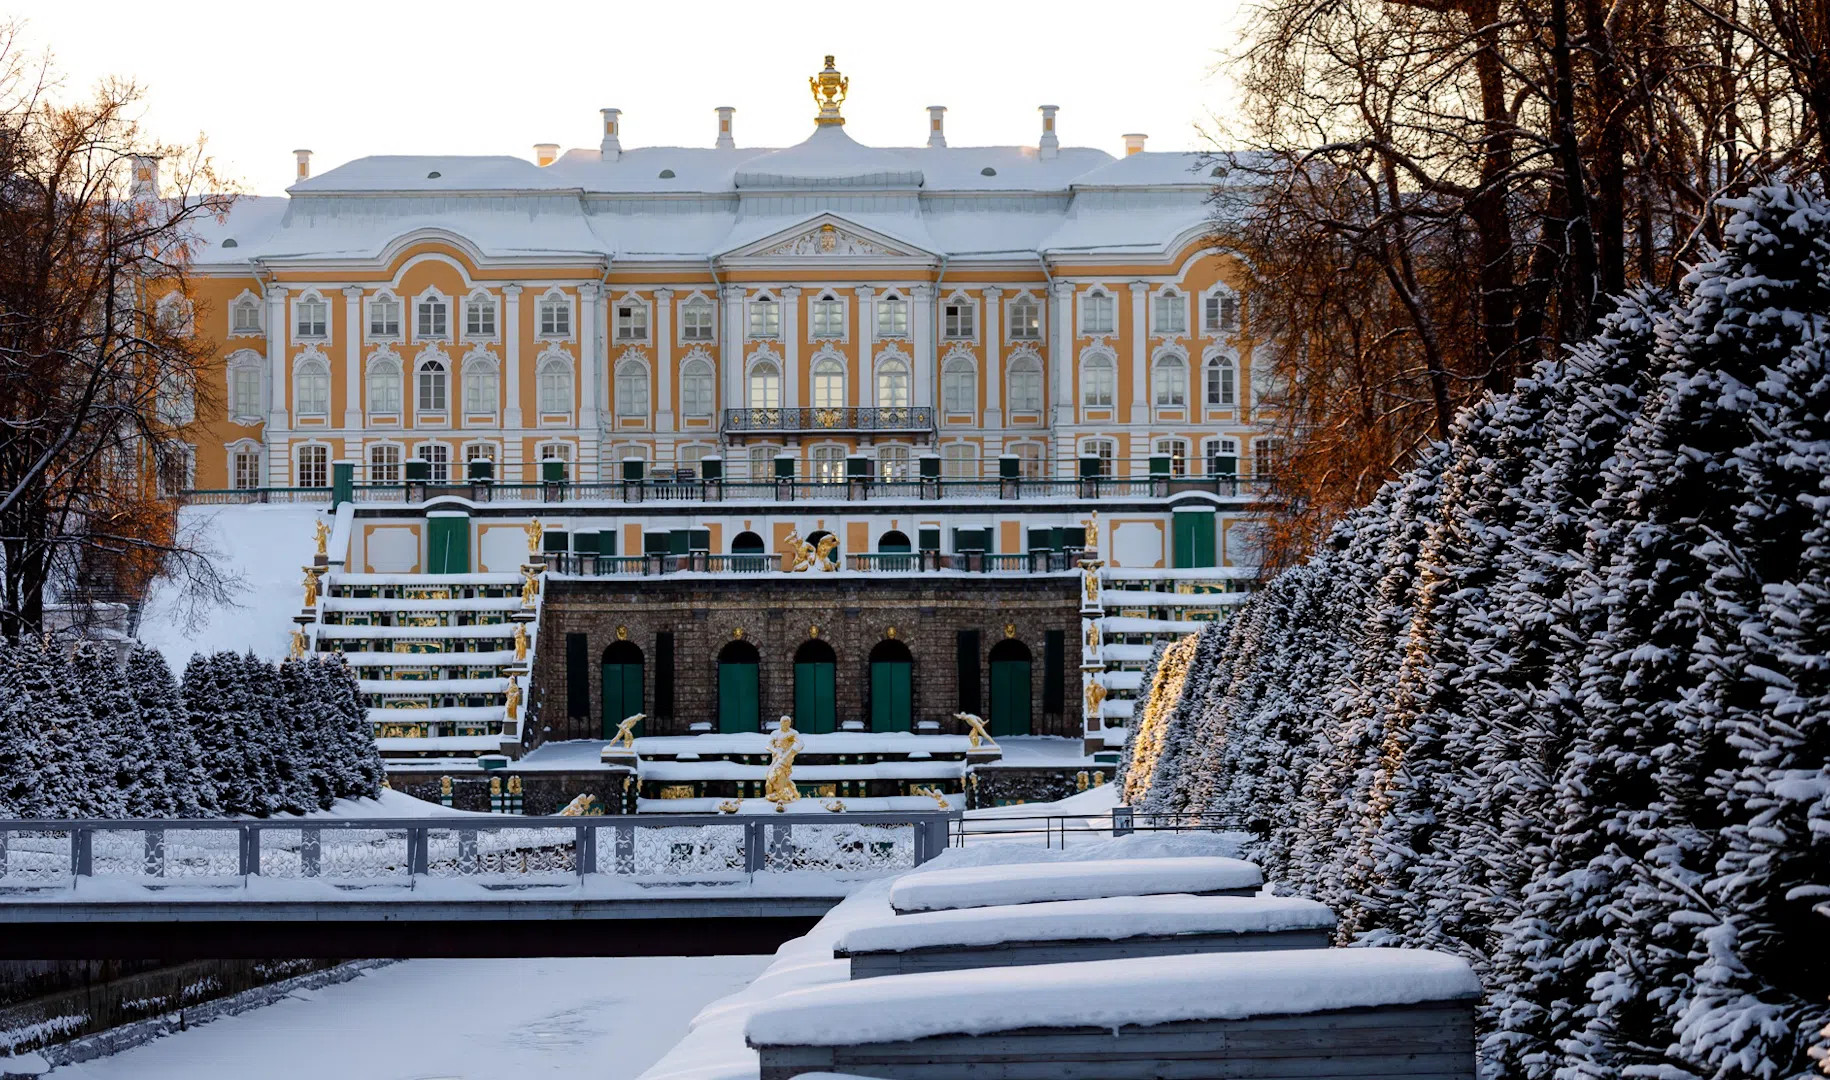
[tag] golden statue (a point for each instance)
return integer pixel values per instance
(797, 554)
(1096, 696)
(444, 786)
(1091, 573)
(533, 529)
(1091, 541)
(520, 641)
(530, 588)
(784, 745)
(323, 533)
(978, 733)
(824, 557)
(513, 694)
(730, 806)
(1092, 636)
(298, 643)
(829, 89)
(932, 793)
(836, 806)
(311, 589)
(625, 731)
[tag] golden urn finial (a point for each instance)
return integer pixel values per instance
(829, 89)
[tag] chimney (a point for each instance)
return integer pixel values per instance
(303, 157)
(1134, 144)
(725, 139)
(612, 147)
(545, 153)
(1049, 146)
(937, 125)
(145, 186)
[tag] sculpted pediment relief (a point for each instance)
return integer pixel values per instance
(829, 239)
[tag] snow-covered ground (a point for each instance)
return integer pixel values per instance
(605, 1019)
(266, 547)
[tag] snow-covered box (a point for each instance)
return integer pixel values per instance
(1034, 883)
(1393, 1013)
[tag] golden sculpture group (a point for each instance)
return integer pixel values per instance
(784, 745)
(799, 556)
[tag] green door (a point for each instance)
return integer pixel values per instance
(622, 695)
(447, 543)
(738, 697)
(1193, 539)
(891, 699)
(815, 697)
(1009, 697)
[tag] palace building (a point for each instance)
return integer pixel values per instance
(954, 374)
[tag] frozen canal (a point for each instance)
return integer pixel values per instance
(587, 1019)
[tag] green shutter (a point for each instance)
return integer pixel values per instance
(1010, 703)
(737, 697)
(622, 695)
(892, 703)
(815, 704)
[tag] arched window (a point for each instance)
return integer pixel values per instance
(750, 547)
(384, 385)
(696, 388)
(384, 464)
(384, 318)
(1171, 381)
(432, 321)
(894, 541)
(765, 385)
(1222, 383)
(765, 318)
(312, 317)
(1169, 312)
(893, 383)
(826, 317)
(892, 317)
(554, 380)
(1097, 313)
(696, 320)
(1220, 312)
(432, 386)
(245, 466)
(828, 383)
(245, 316)
(480, 316)
(1025, 384)
(553, 316)
(959, 385)
(1098, 382)
(631, 388)
(1025, 319)
(480, 385)
(311, 388)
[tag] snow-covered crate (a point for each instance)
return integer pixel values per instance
(1068, 931)
(1314, 1013)
(1033, 883)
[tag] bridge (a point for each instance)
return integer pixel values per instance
(460, 885)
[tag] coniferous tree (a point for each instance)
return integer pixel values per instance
(186, 791)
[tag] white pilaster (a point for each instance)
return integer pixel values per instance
(1140, 352)
(730, 349)
(274, 435)
(994, 348)
(865, 394)
(921, 329)
(511, 363)
(1061, 356)
(352, 358)
(664, 359)
(591, 367)
(791, 348)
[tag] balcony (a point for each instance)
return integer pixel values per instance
(845, 420)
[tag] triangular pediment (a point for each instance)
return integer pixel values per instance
(827, 236)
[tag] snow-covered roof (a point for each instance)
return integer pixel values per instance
(988, 886)
(1108, 919)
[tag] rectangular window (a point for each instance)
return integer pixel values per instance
(384, 317)
(313, 318)
(631, 322)
(384, 465)
(480, 318)
(438, 455)
(555, 317)
(1097, 312)
(893, 462)
(1105, 450)
(892, 317)
(959, 461)
(1177, 452)
(958, 320)
(314, 467)
(765, 318)
(244, 392)
(246, 318)
(433, 322)
(966, 671)
(1171, 314)
(247, 469)
(696, 321)
(1220, 313)
(826, 319)
(1025, 320)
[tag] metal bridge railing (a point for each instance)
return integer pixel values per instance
(1054, 829)
(518, 852)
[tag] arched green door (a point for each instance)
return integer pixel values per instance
(815, 688)
(622, 686)
(892, 687)
(739, 685)
(1010, 700)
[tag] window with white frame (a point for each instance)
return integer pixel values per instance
(826, 318)
(1025, 319)
(384, 318)
(177, 468)
(1267, 457)
(959, 461)
(1169, 312)
(553, 316)
(1029, 459)
(828, 383)
(311, 318)
(893, 383)
(688, 458)
(556, 451)
(1264, 375)
(893, 461)
(761, 461)
(384, 385)
(311, 388)
(892, 317)
(553, 385)
(1170, 381)
(432, 386)
(631, 321)
(959, 320)
(314, 467)
(245, 467)
(432, 319)
(696, 388)
(1221, 456)
(1025, 385)
(765, 385)
(480, 317)
(631, 388)
(481, 385)
(1098, 313)
(246, 384)
(1098, 382)
(245, 316)
(828, 464)
(176, 401)
(696, 320)
(1105, 450)
(1176, 450)
(1222, 379)
(959, 383)
(479, 451)
(765, 318)
(438, 457)
(1220, 312)
(384, 463)
(174, 315)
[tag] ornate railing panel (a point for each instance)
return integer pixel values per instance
(843, 418)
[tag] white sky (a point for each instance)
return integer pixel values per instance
(358, 77)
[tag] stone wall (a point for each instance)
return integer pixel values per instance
(1007, 785)
(778, 614)
(544, 792)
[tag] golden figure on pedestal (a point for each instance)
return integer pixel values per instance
(784, 745)
(977, 734)
(322, 532)
(625, 731)
(520, 641)
(298, 644)
(513, 697)
(311, 588)
(1096, 696)
(533, 529)
(530, 588)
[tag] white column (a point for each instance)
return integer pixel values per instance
(921, 329)
(865, 394)
(730, 349)
(278, 462)
(591, 377)
(511, 360)
(1140, 352)
(352, 358)
(994, 348)
(664, 359)
(791, 348)
(1061, 356)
